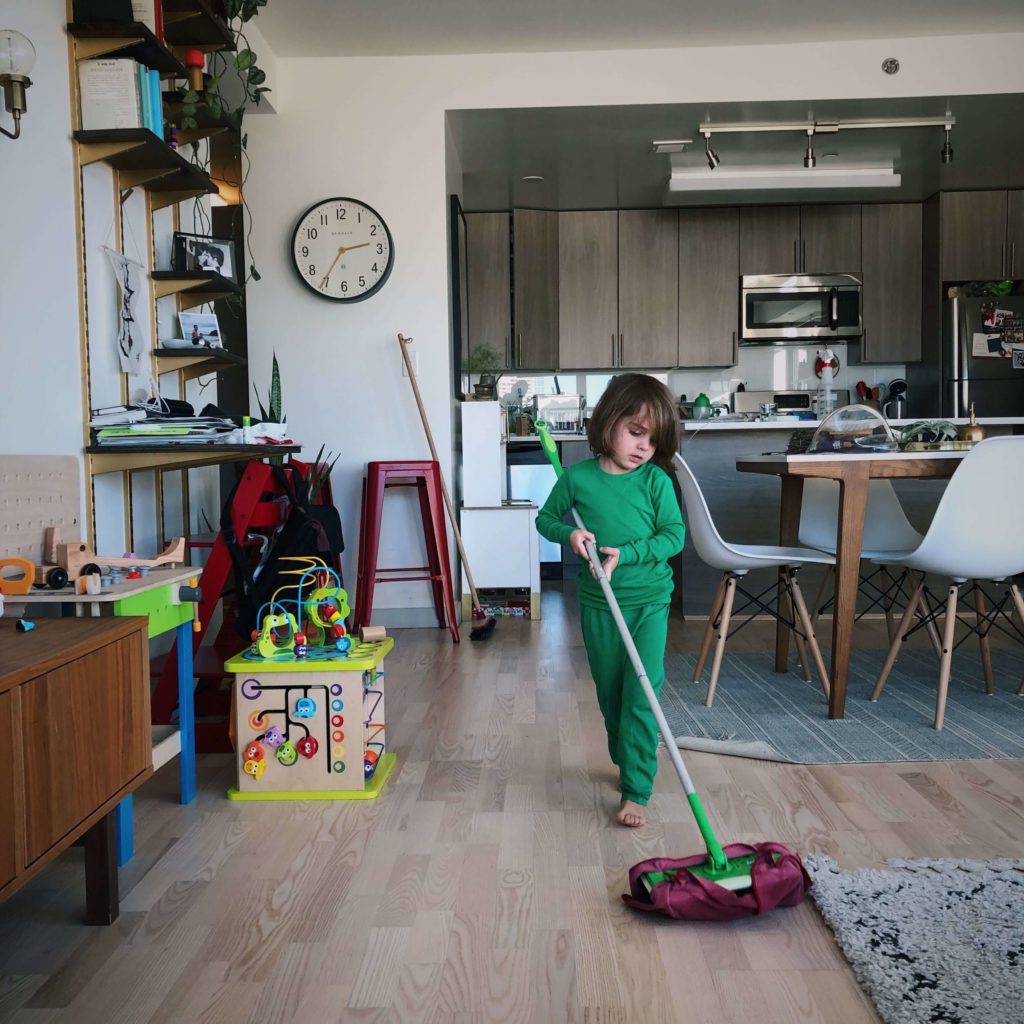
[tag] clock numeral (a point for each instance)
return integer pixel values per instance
(312, 269)
(359, 217)
(341, 213)
(380, 248)
(375, 269)
(311, 233)
(373, 230)
(323, 218)
(344, 286)
(362, 281)
(305, 250)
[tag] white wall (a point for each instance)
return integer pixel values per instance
(374, 128)
(40, 375)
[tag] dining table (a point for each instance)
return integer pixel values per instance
(853, 472)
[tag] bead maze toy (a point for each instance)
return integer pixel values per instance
(309, 703)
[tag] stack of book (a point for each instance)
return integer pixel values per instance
(115, 415)
(120, 93)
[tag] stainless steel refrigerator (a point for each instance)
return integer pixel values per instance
(965, 367)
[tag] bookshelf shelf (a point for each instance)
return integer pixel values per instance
(195, 25)
(194, 363)
(179, 456)
(193, 287)
(103, 39)
(207, 126)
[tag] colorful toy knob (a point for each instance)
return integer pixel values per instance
(369, 764)
(255, 768)
(273, 737)
(343, 643)
(195, 61)
(305, 707)
(254, 752)
(286, 753)
(307, 747)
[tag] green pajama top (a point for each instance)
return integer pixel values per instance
(636, 512)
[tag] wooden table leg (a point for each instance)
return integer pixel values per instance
(789, 530)
(853, 502)
(101, 894)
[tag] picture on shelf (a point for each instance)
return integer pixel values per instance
(201, 329)
(200, 252)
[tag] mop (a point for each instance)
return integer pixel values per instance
(723, 883)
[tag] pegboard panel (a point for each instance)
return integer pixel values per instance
(37, 491)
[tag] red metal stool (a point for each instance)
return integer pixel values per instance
(426, 478)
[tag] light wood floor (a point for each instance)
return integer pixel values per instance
(483, 885)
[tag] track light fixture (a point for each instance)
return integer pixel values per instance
(947, 150)
(712, 156)
(812, 128)
(809, 160)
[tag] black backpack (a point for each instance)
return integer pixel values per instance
(307, 530)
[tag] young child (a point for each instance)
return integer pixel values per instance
(626, 500)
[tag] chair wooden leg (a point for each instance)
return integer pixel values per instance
(986, 654)
(947, 655)
(889, 582)
(798, 640)
(723, 634)
(933, 633)
(1018, 603)
(820, 596)
(709, 629)
(812, 640)
(890, 658)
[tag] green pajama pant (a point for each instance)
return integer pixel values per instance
(632, 730)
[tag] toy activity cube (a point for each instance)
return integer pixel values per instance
(311, 729)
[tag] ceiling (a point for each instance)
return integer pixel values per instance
(328, 28)
(601, 157)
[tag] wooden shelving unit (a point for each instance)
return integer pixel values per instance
(103, 39)
(207, 125)
(195, 25)
(195, 362)
(193, 287)
(139, 458)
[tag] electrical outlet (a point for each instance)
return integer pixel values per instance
(414, 358)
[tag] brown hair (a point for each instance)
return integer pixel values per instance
(626, 395)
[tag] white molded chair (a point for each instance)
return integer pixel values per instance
(735, 561)
(886, 530)
(975, 535)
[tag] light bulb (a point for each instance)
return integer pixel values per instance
(17, 54)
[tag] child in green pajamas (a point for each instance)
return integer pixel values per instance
(625, 497)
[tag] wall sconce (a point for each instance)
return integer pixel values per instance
(17, 58)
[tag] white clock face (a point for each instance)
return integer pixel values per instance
(342, 249)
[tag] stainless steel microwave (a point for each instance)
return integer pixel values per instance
(790, 309)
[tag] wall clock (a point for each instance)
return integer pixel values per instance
(342, 250)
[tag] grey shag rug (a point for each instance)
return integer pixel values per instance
(931, 941)
(764, 714)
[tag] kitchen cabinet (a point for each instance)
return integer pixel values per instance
(648, 288)
(892, 273)
(588, 290)
(800, 239)
(709, 267)
(535, 289)
(8, 793)
(982, 235)
(488, 277)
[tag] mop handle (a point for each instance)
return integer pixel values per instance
(710, 841)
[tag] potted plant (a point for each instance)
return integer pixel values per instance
(484, 361)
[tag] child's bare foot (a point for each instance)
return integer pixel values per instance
(631, 815)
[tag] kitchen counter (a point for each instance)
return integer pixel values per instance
(791, 422)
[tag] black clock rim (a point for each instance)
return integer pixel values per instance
(342, 298)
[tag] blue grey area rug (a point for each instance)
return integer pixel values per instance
(777, 716)
(935, 941)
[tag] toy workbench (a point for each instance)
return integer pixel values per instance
(311, 728)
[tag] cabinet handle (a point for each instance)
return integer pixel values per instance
(1013, 258)
(622, 361)
(1002, 260)
(735, 350)
(796, 258)
(519, 349)
(508, 352)
(613, 350)
(803, 255)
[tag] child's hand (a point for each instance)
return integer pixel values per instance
(609, 563)
(577, 540)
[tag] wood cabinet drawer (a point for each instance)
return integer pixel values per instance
(85, 735)
(8, 784)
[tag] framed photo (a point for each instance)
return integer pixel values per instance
(201, 329)
(201, 252)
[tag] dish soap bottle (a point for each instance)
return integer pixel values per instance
(971, 431)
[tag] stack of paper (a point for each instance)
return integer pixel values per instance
(168, 430)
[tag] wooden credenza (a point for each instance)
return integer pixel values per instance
(75, 730)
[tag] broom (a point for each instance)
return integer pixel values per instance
(729, 873)
(483, 624)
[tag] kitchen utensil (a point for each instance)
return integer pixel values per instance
(768, 410)
(863, 391)
(971, 431)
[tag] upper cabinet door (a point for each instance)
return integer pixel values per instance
(535, 283)
(830, 239)
(489, 285)
(588, 298)
(1014, 234)
(973, 243)
(648, 288)
(892, 246)
(709, 297)
(769, 239)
